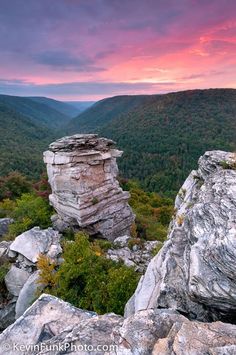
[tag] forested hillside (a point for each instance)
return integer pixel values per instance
(39, 112)
(163, 135)
(104, 111)
(65, 108)
(22, 142)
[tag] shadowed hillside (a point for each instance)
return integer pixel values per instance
(39, 112)
(22, 142)
(66, 109)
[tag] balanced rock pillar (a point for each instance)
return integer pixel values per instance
(82, 172)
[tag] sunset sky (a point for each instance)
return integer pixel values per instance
(91, 49)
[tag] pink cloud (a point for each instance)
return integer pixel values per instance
(180, 44)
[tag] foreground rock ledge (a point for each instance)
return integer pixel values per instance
(82, 172)
(52, 322)
(195, 271)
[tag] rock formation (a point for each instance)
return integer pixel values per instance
(51, 326)
(21, 279)
(192, 278)
(195, 271)
(126, 250)
(82, 172)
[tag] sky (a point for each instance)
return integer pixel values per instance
(91, 49)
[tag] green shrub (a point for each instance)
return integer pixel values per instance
(103, 244)
(88, 280)
(69, 234)
(156, 231)
(4, 268)
(30, 211)
(122, 282)
(153, 213)
(7, 207)
(165, 214)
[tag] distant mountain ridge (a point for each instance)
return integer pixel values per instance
(65, 108)
(163, 135)
(80, 105)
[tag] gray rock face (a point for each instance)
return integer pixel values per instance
(7, 314)
(46, 318)
(27, 293)
(15, 280)
(195, 270)
(36, 241)
(4, 248)
(22, 279)
(4, 224)
(51, 326)
(82, 172)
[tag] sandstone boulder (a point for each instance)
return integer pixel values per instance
(22, 279)
(195, 270)
(51, 326)
(36, 241)
(82, 172)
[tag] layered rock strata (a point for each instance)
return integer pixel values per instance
(195, 271)
(82, 172)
